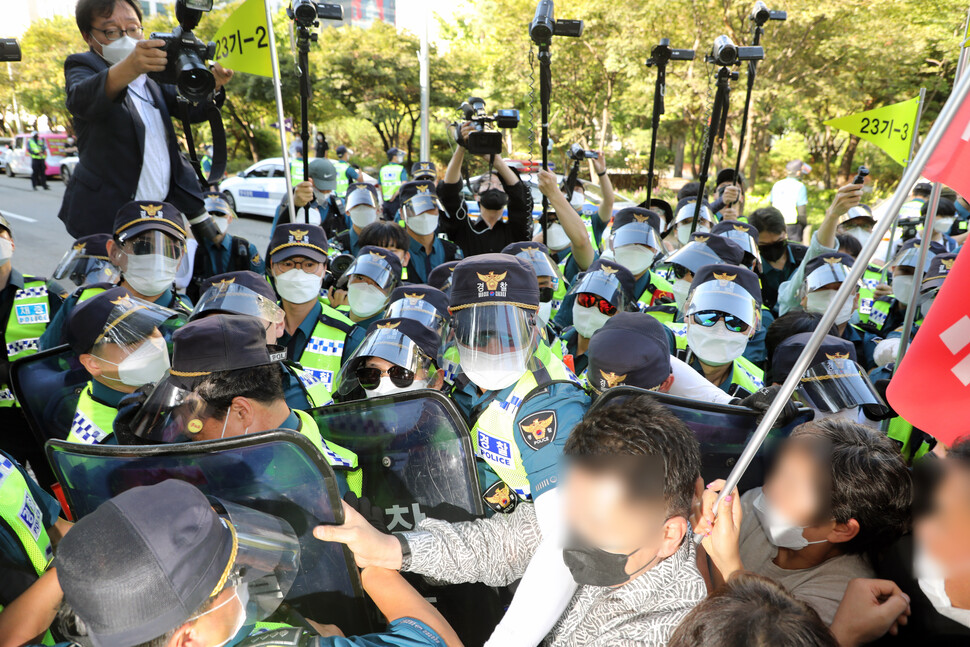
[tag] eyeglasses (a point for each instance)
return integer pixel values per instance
(588, 300)
(370, 377)
(680, 271)
(545, 295)
(710, 317)
(115, 34)
(307, 265)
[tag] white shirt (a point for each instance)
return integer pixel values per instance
(156, 168)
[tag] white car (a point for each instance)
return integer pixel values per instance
(67, 167)
(259, 189)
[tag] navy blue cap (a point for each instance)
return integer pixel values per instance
(706, 249)
(341, 150)
(409, 189)
(245, 278)
(91, 318)
(145, 215)
(297, 240)
(216, 204)
(392, 151)
(441, 276)
(659, 206)
(425, 338)
(637, 214)
(389, 257)
(622, 274)
(494, 279)
(831, 267)
(736, 274)
(218, 343)
(940, 266)
(424, 170)
(631, 349)
(914, 243)
(422, 292)
(788, 352)
(93, 246)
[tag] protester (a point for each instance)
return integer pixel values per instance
(780, 255)
(790, 197)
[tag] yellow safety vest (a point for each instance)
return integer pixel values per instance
(337, 457)
(22, 515)
(321, 357)
(28, 320)
(93, 421)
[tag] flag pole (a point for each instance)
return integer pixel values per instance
(912, 173)
(277, 89)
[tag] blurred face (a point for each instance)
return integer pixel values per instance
(945, 532)
(796, 490)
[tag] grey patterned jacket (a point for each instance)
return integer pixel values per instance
(496, 552)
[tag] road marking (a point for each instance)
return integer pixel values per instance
(17, 216)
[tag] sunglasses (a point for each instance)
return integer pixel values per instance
(680, 271)
(587, 300)
(370, 377)
(710, 317)
(545, 295)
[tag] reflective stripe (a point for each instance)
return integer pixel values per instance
(22, 345)
(320, 360)
(93, 421)
(28, 320)
(23, 516)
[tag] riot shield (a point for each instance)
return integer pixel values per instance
(722, 430)
(417, 460)
(47, 386)
(278, 472)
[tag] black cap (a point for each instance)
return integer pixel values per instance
(144, 215)
(637, 214)
(425, 293)
(409, 189)
(788, 352)
(662, 207)
(423, 170)
(442, 274)
(631, 349)
(734, 273)
(218, 343)
(245, 278)
(142, 563)
(425, 338)
(93, 245)
(622, 274)
(940, 266)
(494, 279)
(89, 320)
(341, 149)
(297, 240)
(727, 175)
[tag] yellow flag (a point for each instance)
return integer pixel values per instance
(889, 127)
(242, 43)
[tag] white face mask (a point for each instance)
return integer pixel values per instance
(144, 366)
(586, 321)
(820, 300)
(222, 222)
(943, 225)
(387, 387)
(6, 250)
(681, 290)
(363, 215)
(321, 196)
(150, 274)
(780, 531)
(716, 345)
(635, 258)
(424, 224)
(932, 580)
(545, 311)
(683, 231)
(297, 286)
(241, 599)
(365, 299)
(903, 288)
(491, 372)
(118, 50)
(578, 201)
(556, 238)
(860, 234)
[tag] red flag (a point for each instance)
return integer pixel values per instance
(951, 158)
(931, 388)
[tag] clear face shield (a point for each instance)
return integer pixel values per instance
(693, 256)
(375, 268)
(81, 268)
(362, 207)
(745, 242)
(233, 298)
(835, 384)
(413, 306)
(909, 258)
(543, 265)
(421, 213)
(131, 343)
(386, 362)
(156, 243)
(635, 246)
(495, 343)
(726, 297)
(172, 414)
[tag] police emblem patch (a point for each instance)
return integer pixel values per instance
(539, 429)
(501, 498)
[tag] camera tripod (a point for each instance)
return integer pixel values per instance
(714, 130)
(303, 39)
(659, 57)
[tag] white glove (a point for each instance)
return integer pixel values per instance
(886, 351)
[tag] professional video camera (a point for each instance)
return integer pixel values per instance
(909, 226)
(187, 55)
(578, 154)
(760, 14)
(484, 140)
(725, 52)
(307, 12)
(9, 50)
(544, 25)
(336, 268)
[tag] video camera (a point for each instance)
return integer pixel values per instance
(725, 52)
(307, 12)
(485, 140)
(187, 55)
(578, 154)
(909, 226)
(336, 268)
(544, 25)
(760, 14)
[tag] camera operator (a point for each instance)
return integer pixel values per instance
(496, 190)
(122, 118)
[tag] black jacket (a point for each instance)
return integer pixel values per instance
(477, 238)
(110, 138)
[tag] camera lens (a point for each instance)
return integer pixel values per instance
(195, 81)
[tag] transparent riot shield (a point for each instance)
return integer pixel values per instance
(277, 472)
(47, 386)
(417, 460)
(722, 430)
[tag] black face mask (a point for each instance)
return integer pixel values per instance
(493, 199)
(596, 567)
(773, 251)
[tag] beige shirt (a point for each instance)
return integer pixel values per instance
(821, 587)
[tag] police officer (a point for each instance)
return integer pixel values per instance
(147, 246)
(631, 349)
(426, 250)
(37, 150)
(824, 275)
(392, 174)
(362, 209)
(314, 333)
(635, 242)
(422, 303)
(745, 236)
(422, 174)
(701, 249)
(889, 311)
(226, 252)
(552, 285)
(117, 341)
(87, 262)
(319, 196)
(684, 220)
(369, 281)
(441, 276)
(346, 173)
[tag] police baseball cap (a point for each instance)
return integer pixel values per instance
(736, 274)
(216, 204)
(733, 289)
(661, 207)
(441, 276)
(147, 215)
(727, 175)
(636, 214)
(494, 279)
(358, 195)
(242, 293)
(706, 249)
(113, 316)
(424, 170)
(908, 253)
(412, 188)
(391, 152)
(417, 298)
(93, 246)
(858, 212)
(426, 339)
(686, 207)
(631, 349)
(323, 173)
(297, 240)
(826, 269)
(538, 255)
(5, 224)
(341, 149)
(376, 263)
(218, 343)
(603, 278)
(940, 266)
(744, 234)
